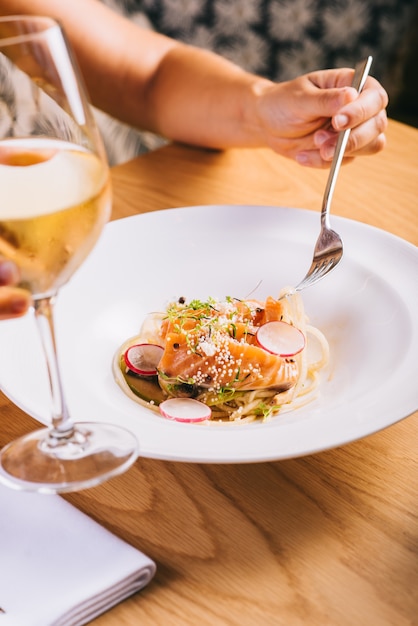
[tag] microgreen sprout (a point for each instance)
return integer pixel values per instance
(264, 410)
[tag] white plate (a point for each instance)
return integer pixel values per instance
(367, 308)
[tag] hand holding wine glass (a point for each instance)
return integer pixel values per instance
(55, 199)
(14, 302)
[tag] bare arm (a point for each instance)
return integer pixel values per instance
(144, 78)
(155, 83)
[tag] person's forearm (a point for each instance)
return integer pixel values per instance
(201, 98)
(104, 44)
(194, 96)
(150, 81)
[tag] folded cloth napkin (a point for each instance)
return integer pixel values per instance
(58, 567)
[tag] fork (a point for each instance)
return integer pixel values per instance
(329, 246)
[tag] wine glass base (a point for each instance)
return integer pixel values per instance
(92, 454)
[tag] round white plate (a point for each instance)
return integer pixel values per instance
(367, 308)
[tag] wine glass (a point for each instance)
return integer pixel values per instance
(55, 199)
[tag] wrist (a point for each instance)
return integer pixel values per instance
(255, 110)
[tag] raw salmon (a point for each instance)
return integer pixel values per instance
(213, 346)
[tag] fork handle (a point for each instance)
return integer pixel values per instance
(360, 75)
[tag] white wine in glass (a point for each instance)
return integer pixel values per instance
(55, 199)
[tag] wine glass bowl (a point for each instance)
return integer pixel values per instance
(55, 199)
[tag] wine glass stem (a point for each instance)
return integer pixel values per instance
(62, 426)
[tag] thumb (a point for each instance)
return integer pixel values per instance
(327, 102)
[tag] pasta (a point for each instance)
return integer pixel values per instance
(221, 353)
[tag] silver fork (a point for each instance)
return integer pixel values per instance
(329, 246)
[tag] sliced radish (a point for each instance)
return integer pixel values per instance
(280, 338)
(185, 410)
(143, 358)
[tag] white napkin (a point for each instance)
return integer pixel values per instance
(58, 567)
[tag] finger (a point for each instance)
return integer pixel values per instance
(327, 150)
(372, 102)
(9, 273)
(313, 158)
(328, 79)
(364, 140)
(14, 302)
(368, 138)
(327, 102)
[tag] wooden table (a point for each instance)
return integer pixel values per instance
(329, 539)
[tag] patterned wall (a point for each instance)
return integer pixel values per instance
(281, 39)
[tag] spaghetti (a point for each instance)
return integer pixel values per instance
(211, 352)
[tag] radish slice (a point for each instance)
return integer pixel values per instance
(143, 358)
(280, 338)
(185, 410)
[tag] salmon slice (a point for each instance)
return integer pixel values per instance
(214, 347)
